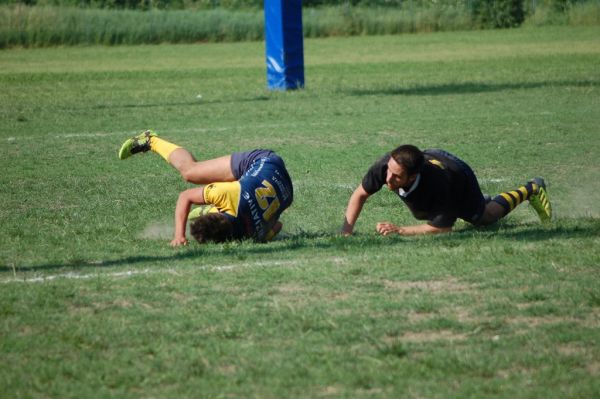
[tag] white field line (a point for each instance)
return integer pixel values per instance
(131, 273)
(58, 136)
(74, 276)
(299, 183)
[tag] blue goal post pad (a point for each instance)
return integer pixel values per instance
(284, 44)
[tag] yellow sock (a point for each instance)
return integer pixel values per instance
(162, 147)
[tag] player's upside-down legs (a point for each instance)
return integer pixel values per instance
(225, 180)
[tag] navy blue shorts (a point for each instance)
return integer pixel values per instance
(242, 161)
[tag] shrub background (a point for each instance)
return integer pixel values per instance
(42, 23)
(559, 5)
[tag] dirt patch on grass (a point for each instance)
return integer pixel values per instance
(122, 303)
(290, 288)
(463, 315)
(227, 369)
(101, 306)
(593, 368)
(184, 298)
(295, 290)
(536, 321)
(580, 351)
(428, 336)
(571, 350)
(330, 391)
(414, 317)
(460, 313)
(449, 285)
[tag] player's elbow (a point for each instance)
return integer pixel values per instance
(186, 198)
(360, 195)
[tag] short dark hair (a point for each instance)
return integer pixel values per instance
(214, 227)
(410, 157)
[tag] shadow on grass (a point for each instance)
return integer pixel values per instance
(321, 241)
(467, 88)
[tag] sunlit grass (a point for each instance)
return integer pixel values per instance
(94, 303)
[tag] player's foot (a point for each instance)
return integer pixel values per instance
(539, 201)
(199, 211)
(139, 143)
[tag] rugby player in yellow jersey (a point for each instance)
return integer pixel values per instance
(247, 191)
(439, 188)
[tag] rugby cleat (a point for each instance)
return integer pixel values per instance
(139, 143)
(539, 201)
(199, 211)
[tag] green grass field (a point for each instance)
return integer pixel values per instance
(94, 303)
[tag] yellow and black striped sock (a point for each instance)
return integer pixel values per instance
(509, 200)
(162, 147)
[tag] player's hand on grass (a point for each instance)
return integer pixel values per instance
(179, 241)
(386, 228)
(347, 229)
(346, 233)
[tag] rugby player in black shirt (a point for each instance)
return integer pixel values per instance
(439, 188)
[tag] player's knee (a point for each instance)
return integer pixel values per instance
(493, 212)
(485, 220)
(187, 174)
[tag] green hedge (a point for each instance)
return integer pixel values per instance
(241, 4)
(48, 26)
(41, 26)
(498, 14)
(558, 5)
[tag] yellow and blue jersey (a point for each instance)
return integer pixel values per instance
(254, 202)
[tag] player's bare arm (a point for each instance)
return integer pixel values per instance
(182, 209)
(386, 228)
(355, 205)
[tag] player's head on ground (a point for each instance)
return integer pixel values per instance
(212, 227)
(403, 167)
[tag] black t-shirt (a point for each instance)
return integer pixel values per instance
(441, 194)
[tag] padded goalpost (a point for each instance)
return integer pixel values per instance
(284, 44)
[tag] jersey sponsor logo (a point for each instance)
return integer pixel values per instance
(437, 163)
(257, 167)
(283, 189)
